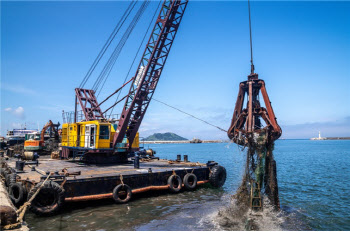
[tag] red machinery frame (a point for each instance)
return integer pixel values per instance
(146, 78)
(247, 121)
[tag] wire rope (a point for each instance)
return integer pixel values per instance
(206, 122)
(144, 37)
(251, 41)
(102, 78)
(108, 42)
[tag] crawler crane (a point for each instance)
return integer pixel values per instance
(99, 140)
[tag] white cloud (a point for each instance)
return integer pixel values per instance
(18, 89)
(18, 112)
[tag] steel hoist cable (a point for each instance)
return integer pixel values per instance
(206, 122)
(102, 78)
(116, 52)
(144, 37)
(108, 42)
(251, 42)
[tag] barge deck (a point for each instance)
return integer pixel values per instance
(68, 180)
(84, 180)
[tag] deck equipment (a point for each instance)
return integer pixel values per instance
(36, 142)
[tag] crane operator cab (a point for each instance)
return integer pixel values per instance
(93, 137)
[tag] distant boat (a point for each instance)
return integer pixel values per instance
(319, 137)
(17, 136)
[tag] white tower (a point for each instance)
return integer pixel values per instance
(319, 134)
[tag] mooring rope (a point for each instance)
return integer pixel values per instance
(121, 179)
(22, 210)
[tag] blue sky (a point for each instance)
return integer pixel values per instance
(301, 50)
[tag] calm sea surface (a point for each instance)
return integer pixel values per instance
(313, 181)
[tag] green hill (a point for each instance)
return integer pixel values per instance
(165, 137)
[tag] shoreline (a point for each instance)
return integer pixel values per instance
(330, 138)
(182, 142)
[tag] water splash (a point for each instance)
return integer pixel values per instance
(235, 217)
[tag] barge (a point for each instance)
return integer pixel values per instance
(100, 157)
(57, 182)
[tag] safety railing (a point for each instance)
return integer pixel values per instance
(68, 117)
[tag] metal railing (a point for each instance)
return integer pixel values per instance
(68, 117)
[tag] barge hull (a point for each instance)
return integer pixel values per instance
(95, 181)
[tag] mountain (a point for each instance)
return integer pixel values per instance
(165, 137)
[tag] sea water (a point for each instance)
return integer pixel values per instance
(314, 190)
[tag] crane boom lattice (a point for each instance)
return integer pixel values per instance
(150, 69)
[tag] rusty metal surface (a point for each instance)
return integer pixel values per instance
(134, 191)
(246, 121)
(88, 103)
(81, 180)
(247, 129)
(150, 69)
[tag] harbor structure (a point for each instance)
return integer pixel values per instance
(319, 137)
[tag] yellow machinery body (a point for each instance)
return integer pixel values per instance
(94, 135)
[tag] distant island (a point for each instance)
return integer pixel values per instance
(169, 138)
(165, 137)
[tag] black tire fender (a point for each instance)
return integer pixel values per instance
(49, 199)
(7, 177)
(2, 172)
(10, 178)
(217, 176)
(17, 193)
(175, 183)
(190, 181)
(122, 193)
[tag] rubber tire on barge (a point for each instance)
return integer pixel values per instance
(119, 198)
(49, 199)
(10, 178)
(190, 181)
(217, 176)
(175, 183)
(17, 193)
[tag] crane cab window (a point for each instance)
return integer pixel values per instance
(104, 132)
(32, 136)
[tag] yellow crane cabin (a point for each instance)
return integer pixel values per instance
(93, 135)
